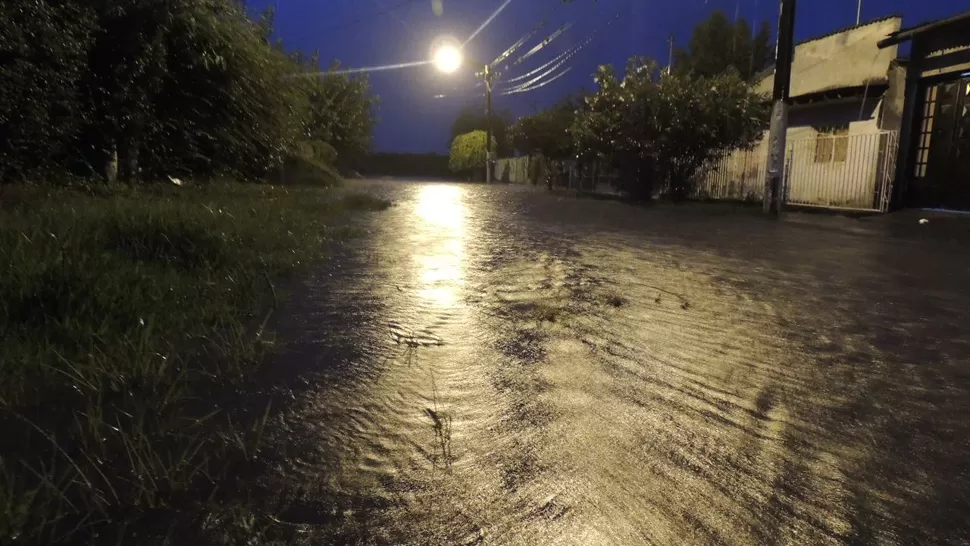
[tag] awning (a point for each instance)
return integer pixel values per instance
(907, 34)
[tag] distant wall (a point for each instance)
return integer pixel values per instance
(845, 59)
(406, 165)
(894, 99)
(518, 170)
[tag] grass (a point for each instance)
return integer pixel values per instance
(126, 314)
(305, 171)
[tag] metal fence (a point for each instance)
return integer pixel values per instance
(590, 177)
(849, 172)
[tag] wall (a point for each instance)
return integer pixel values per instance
(402, 164)
(856, 183)
(895, 98)
(516, 170)
(845, 59)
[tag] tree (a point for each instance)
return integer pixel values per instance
(225, 103)
(764, 51)
(43, 53)
(718, 45)
(664, 131)
(547, 132)
(468, 153)
(341, 111)
(176, 87)
(474, 118)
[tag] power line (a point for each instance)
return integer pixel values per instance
(538, 47)
(487, 22)
(543, 75)
(512, 49)
(543, 84)
(544, 66)
(508, 52)
(562, 59)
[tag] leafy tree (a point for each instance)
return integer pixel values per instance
(468, 152)
(341, 112)
(226, 103)
(547, 132)
(663, 131)
(718, 45)
(43, 54)
(474, 118)
(174, 87)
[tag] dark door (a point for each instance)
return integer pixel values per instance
(942, 169)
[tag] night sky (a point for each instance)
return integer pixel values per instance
(412, 119)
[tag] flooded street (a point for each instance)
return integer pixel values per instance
(493, 365)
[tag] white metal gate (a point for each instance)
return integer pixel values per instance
(846, 172)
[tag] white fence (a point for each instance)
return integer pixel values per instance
(850, 171)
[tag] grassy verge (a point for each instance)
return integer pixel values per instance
(125, 313)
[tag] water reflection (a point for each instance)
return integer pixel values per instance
(441, 264)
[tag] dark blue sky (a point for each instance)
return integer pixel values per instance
(413, 120)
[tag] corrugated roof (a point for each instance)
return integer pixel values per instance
(853, 27)
(771, 70)
(905, 34)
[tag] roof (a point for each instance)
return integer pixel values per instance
(770, 70)
(906, 34)
(872, 90)
(839, 60)
(853, 27)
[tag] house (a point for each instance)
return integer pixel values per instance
(933, 169)
(846, 109)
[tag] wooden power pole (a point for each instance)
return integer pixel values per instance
(670, 54)
(784, 54)
(489, 75)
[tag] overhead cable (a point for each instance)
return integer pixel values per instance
(487, 22)
(543, 84)
(505, 54)
(543, 43)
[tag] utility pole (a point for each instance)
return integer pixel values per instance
(488, 123)
(670, 55)
(784, 54)
(858, 14)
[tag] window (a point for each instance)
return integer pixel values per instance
(926, 131)
(832, 144)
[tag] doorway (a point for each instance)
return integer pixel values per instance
(942, 167)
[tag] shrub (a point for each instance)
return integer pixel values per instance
(468, 152)
(317, 150)
(302, 171)
(663, 130)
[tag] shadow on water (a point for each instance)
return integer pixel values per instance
(497, 365)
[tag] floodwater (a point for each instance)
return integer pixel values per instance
(493, 365)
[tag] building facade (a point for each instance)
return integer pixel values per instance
(933, 169)
(846, 107)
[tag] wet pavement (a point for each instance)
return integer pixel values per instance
(494, 365)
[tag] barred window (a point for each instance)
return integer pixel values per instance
(832, 144)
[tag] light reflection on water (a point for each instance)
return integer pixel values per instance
(441, 262)
(634, 419)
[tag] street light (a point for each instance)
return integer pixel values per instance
(447, 57)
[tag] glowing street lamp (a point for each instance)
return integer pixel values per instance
(447, 57)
